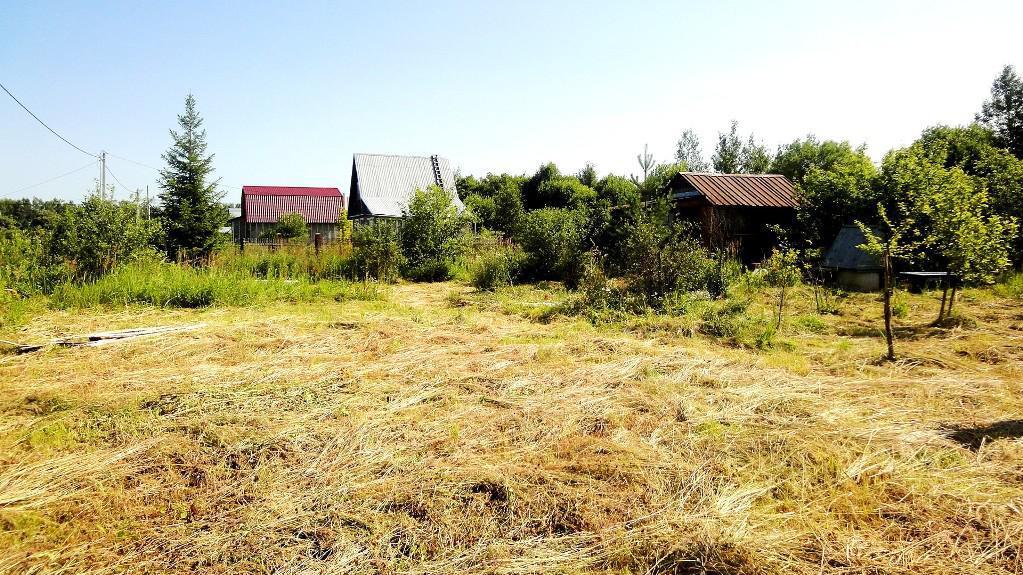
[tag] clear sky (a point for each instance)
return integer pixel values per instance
(290, 92)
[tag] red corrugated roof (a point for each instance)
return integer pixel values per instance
(266, 204)
(289, 191)
(752, 190)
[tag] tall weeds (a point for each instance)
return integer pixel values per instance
(170, 285)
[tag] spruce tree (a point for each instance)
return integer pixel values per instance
(192, 214)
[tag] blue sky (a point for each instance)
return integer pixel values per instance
(289, 93)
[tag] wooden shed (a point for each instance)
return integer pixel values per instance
(735, 212)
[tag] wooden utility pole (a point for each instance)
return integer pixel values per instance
(102, 175)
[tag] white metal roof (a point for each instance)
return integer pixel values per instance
(385, 183)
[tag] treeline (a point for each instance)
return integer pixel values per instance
(957, 194)
(961, 187)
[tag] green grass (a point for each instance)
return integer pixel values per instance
(1012, 287)
(169, 285)
(287, 262)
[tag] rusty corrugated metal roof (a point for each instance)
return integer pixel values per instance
(750, 190)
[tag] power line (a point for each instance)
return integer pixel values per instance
(134, 162)
(75, 171)
(68, 142)
(226, 185)
(126, 189)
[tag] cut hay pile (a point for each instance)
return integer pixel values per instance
(413, 436)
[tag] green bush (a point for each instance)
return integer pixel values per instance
(431, 271)
(25, 267)
(376, 252)
(495, 267)
(552, 241)
(430, 225)
(289, 226)
(732, 321)
(101, 235)
(664, 259)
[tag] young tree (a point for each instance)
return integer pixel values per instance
(782, 273)
(690, 153)
(973, 243)
(1003, 113)
(754, 158)
(888, 245)
(646, 161)
(344, 228)
(191, 212)
(973, 149)
(508, 206)
(376, 251)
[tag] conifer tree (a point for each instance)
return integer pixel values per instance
(191, 212)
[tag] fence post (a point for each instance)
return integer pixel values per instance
(318, 242)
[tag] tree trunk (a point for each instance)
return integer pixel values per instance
(944, 298)
(952, 298)
(781, 306)
(889, 336)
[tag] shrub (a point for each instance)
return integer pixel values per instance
(100, 235)
(289, 226)
(376, 252)
(664, 259)
(552, 241)
(429, 224)
(25, 267)
(430, 271)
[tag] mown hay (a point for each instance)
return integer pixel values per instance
(411, 436)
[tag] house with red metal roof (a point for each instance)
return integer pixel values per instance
(735, 212)
(263, 206)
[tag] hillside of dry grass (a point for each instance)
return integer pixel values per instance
(442, 431)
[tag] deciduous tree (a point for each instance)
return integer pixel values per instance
(688, 151)
(1003, 113)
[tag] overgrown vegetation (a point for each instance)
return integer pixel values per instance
(170, 285)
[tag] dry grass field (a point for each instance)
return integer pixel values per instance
(443, 431)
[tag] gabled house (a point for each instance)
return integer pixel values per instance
(735, 212)
(383, 184)
(263, 206)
